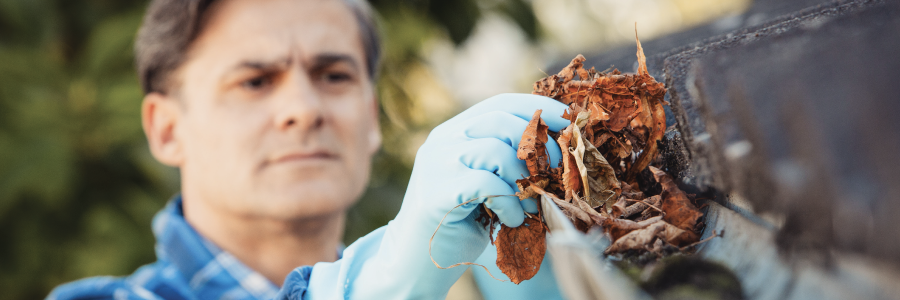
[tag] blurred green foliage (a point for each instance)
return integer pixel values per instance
(78, 187)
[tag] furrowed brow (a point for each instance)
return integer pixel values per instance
(263, 65)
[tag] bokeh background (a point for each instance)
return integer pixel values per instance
(78, 186)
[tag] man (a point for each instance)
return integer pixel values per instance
(268, 109)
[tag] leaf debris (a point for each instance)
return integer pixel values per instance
(616, 122)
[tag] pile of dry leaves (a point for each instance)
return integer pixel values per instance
(617, 120)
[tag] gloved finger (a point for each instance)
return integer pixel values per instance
(495, 156)
(499, 125)
(522, 106)
(508, 209)
(507, 128)
(477, 184)
(530, 205)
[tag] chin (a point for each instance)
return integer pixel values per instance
(310, 198)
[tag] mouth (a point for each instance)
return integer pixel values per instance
(303, 156)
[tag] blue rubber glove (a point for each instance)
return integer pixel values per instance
(471, 155)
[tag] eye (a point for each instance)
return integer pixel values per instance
(257, 83)
(336, 77)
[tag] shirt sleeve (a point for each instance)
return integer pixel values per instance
(296, 284)
(96, 288)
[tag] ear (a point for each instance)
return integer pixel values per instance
(374, 128)
(161, 116)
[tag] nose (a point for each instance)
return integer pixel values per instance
(299, 105)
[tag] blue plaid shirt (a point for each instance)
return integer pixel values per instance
(188, 266)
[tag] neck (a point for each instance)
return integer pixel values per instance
(271, 247)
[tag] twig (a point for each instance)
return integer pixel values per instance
(439, 227)
(634, 209)
(542, 71)
(611, 133)
(646, 203)
(490, 224)
(720, 234)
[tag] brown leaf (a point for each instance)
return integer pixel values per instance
(599, 181)
(678, 208)
(605, 187)
(619, 208)
(631, 192)
(597, 113)
(616, 228)
(652, 116)
(571, 178)
(584, 206)
(644, 237)
(526, 186)
(547, 86)
(532, 147)
(623, 108)
(573, 212)
(637, 239)
(552, 86)
(642, 60)
(520, 250)
(574, 66)
(677, 236)
(576, 149)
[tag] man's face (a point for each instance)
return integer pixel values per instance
(277, 115)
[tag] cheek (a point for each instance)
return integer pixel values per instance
(354, 121)
(224, 138)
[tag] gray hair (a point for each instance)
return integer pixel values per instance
(171, 26)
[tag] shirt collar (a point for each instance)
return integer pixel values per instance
(210, 271)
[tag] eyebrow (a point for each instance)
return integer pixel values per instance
(319, 63)
(325, 60)
(262, 65)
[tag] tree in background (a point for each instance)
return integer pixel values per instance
(78, 187)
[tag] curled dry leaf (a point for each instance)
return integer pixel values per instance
(619, 208)
(532, 147)
(520, 250)
(654, 118)
(604, 186)
(525, 186)
(576, 149)
(598, 178)
(573, 212)
(645, 237)
(677, 236)
(571, 176)
(616, 228)
(638, 239)
(678, 208)
(595, 216)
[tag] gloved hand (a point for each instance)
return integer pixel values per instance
(471, 155)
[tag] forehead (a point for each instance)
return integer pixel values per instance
(274, 29)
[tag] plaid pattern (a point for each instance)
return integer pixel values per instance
(188, 267)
